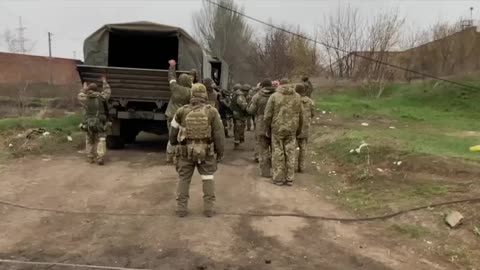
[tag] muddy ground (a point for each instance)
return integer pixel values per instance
(137, 180)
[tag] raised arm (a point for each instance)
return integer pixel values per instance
(172, 75)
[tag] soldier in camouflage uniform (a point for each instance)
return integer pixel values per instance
(257, 108)
(308, 86)
(181, 92)
(283, 122)
(246, 88)
(95, 119)
(239, 107)
(224, 109)
(251, 94)
(197, 132)
(302, 139)
(213, 96)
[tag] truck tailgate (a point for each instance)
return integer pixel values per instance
(130, 83)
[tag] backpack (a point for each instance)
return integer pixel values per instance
(95, 117)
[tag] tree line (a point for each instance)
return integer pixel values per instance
(273, 53)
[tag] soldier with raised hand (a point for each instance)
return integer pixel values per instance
(239, 107)
(257, 108)
(95, 120)
(283, 122)
(302, 139)
(197, 132)
(181, 92)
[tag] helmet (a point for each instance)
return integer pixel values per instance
(92, 87)
(199, 90)
(246, 87)
(185, 80)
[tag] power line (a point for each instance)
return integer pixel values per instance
(342, 50)
(247, 214)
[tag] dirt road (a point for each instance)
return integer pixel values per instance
(137, 181)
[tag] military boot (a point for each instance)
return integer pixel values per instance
(91, 160)
(100, 161)
(208, 197)
(236, 146)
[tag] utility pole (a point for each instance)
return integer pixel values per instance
(50, 44)
(21, 36)
(50, 56)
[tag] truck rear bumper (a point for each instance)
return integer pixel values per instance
(144, 115)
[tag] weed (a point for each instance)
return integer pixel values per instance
(412, 231)
(69, 123)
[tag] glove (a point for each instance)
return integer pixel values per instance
(172, 62)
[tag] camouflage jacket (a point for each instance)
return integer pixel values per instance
(213, 98)
(284, 113)
(309, 112)
(257, 108)
(308, 89)
(180, 93)
(239, 105)
(218, 133)
(104, 95)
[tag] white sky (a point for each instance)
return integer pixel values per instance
(71, 21)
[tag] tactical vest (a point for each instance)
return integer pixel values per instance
(234, 105)
(95, 116)
(197, 125)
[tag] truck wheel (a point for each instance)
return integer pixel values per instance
(129, 138)
(115, 142)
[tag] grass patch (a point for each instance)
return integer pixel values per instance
(433, 104)
(412, 231)
(69, 123)
(416, 140)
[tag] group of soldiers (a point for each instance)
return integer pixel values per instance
(199, 116)
(282, 113)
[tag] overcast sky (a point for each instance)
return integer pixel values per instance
(71, 21)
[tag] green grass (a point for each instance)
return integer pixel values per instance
(428, 117)
(412, 231)
(67, 124)
(431, 104)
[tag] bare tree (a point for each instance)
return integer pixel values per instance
(227, 35)
(343, 33)
(273, 54)
(304, 55)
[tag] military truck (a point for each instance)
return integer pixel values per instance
(134, 57)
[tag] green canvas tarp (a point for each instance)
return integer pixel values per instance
(96, 46)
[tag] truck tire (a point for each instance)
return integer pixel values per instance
(115, 142)
(129, 138)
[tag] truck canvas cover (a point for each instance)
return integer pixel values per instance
(142, 40)
(135, 55)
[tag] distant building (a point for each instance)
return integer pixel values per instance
(458, 53)
(21, 68)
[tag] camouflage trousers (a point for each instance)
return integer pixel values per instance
(283, 158)
(265, 156)
(302, 153)
(248, 123)
(170, 148)
(239, 130)
(185, 169)
(225, 126)
(96, 146)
